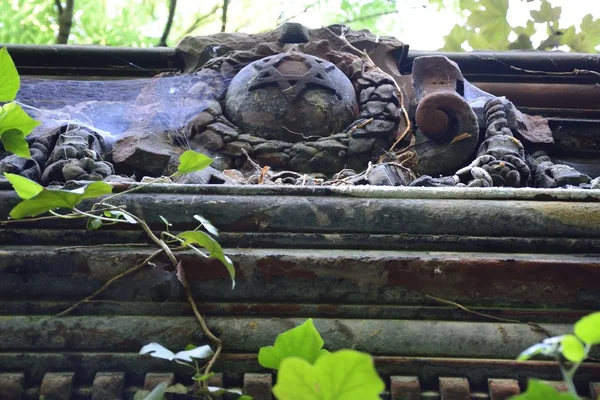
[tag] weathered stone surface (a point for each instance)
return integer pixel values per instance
(428, 181)
(442, 115)
(11, 386)
(108, 385)
(57, 386)
(373, 108)
(235, 148)
(302, 93)
(380, 128)
(209, 140)
(208, 175)
(272, 159)
(549, 175)
(144, 151)
(258, 386)
(388, 175)
(199, 123)
(14, 164)
(86, 169)
(534, 129)
(360, 145)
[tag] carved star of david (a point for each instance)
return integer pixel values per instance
(294, 86)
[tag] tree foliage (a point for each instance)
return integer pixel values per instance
(487, 28)
(483, 24)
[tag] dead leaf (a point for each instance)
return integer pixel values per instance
(180, 272)
(460, 137)
(263, 172)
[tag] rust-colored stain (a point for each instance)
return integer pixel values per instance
(252, 326)
(473, 278)
(272, 268)
(257, 222)
(201, 269)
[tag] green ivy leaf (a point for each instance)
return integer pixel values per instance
(10, 82)
(546, 13)
(93, 190)
(588, 329)
(25, 188)
(12, 116)
(572, 348)
(47, 200)
(537, 390)
(213, 247)
(343, 375)
(14, 141)
(177, 388)
(192, 161)
(207, 225)
(94, 223)
(202, 378)
(303, 341)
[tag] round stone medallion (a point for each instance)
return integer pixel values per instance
(290, 97)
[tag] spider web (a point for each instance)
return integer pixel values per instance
(112, 107)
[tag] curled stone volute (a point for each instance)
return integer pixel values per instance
(447, 126)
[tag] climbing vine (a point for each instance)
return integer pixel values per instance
(15, 124)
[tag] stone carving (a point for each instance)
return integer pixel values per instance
(447, 129)
(501, 157)
(550, 175)
(291, 97)
(309, 101)
(77, 155)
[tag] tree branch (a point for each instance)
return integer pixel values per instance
(224, 15)
(369, 16)
(308, 7)
(165, 35)
(65, 21)
(201, 18)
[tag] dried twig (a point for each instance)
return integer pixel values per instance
(361, 125)
(575, 71)
(534, 326)
(110, 282)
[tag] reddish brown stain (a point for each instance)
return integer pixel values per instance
(271, 268)
(514, 280)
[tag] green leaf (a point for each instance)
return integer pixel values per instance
(94, 223)
(572, 348)
(25, 188)
(588, 329)
(343, 375)
(14, 141)
(244, 397)
(537, 390)
(192, 161)
(12, 116)
(202, 378)
(546, 13)
(10, 82)
(213, 247)
(177, 388)
(207, 225)
(94, 189)
(121, 215)
(303, 341)
(47, 200)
